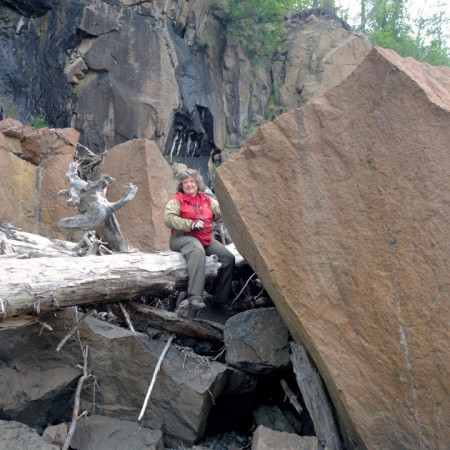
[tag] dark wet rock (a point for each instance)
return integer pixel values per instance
(32, 7)
(99, 432)
(272, 417)
(36, 396)
(123, 364)
(257, 341)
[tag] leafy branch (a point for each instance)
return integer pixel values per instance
(258, 24)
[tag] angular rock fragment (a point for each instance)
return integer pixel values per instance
(96, 432)
(257, 341)
(267, 439)
(16, 435)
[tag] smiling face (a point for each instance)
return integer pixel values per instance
(190, 186)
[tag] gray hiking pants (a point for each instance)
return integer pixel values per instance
(195, 255)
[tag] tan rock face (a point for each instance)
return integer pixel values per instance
(342, 208)
(316, 55)
(33, 164)
(141, 221)
(17, 182)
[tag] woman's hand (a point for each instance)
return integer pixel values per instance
(197, 225)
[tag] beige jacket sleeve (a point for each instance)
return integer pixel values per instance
(172, 217)
(216, 210)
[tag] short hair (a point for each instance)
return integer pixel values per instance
(190, 173)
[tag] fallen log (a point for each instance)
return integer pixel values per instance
(166, 320)
(37, 284)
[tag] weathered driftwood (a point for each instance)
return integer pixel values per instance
(15, 243)
(166, 320)
(95, 212)
(291, 396)
(316, 401)
(35, 284)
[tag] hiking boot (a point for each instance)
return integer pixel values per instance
(183, 309)
(197, 303)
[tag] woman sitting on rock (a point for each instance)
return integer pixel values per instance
(190, 213)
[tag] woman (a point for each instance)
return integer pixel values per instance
(190, 213)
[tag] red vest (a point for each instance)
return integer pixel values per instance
(197, 208)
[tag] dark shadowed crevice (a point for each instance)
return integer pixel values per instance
(191, 139)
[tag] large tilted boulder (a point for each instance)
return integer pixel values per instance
(140, 162)
(342, 209)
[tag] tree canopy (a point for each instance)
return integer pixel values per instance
(258, 24)
(423, 38)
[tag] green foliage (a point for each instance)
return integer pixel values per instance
(38, 122)
(71, 97)
(204, 43)
(257, 24)
(248, 131)
(423, 39)
(431, 40)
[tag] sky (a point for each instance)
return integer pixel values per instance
(417, 8)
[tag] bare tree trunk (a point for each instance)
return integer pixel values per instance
(371, 13)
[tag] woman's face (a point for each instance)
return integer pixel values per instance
(190, 186)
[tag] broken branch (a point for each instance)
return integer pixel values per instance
(158, 366)
(127, 317)
(74, 328)
(291, 396)
(76, 408)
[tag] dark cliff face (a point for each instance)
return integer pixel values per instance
(34, 40)
(191, 133)
(116, 71)
(31, 8)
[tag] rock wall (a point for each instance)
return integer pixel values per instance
(342, 209)
(33, 164)
(122, 70)
(34, 40)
